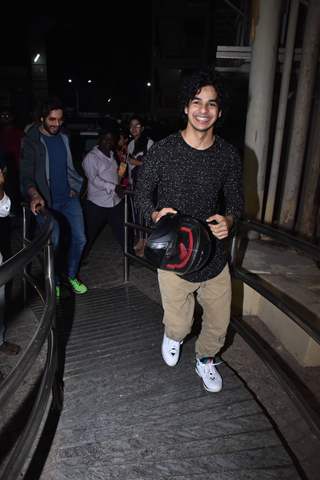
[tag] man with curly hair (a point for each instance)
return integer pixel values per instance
(196, 173)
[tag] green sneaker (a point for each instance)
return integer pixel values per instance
(77, 286)
(58, 292)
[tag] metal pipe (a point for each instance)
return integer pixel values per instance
(308, 248)
(282, 110)
(8, 270)
(234, 7)
(303, 317)
(261, 84)
(24, 244)
(308, 68)
(126, 259)
(15, 264)
(309, 203)
(20, 458)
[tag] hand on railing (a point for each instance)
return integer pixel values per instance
(36, 202)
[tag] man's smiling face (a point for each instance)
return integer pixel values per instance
(203, 110)
(52, 123)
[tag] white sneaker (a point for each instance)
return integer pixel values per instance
(211, 378)
(170, 350)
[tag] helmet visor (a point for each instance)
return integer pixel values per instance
(185, 244)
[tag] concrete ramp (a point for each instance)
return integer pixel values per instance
(127, 416)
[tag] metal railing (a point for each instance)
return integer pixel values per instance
(129, 225)
(309, 322)
(298, 313)
(17, 459)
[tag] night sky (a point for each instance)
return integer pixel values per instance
(113, 49)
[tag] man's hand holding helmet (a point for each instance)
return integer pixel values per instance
(156, 215)
(220, 226)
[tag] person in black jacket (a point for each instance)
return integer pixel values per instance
(48, 178)
(196, 173)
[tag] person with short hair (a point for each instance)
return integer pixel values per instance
(104, 203)
(5, 346)
(196, 173)
(10, 143)
(48, 178)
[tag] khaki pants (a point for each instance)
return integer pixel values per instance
(178, 303)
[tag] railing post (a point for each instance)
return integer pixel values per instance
(24, 244)
(126, 259)
(57, 386)
(49, 273)
(233, 251)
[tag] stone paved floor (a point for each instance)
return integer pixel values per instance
(127, 415)
(105, 269)
(101, 272)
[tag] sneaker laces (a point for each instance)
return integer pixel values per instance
(75, 282)
(210, 366)
(77, 285)
(173, 347)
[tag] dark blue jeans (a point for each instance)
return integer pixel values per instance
(68, 236)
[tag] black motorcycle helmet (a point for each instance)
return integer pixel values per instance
(179, 244)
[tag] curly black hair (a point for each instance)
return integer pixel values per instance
(199, 79)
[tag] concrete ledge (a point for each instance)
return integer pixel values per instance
(296, 341)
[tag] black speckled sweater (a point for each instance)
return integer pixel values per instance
(194, 182)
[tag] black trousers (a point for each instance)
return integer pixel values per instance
(96, 218)
(5, 237)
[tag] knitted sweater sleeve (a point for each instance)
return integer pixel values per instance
(147, 181)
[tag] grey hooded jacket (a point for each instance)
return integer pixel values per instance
(34, 166)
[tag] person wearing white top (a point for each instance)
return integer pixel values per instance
(104, 195)
(5, 347)
(137, 147)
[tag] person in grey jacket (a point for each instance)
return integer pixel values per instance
(48, 178)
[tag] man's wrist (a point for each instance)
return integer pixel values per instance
(154, 215)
